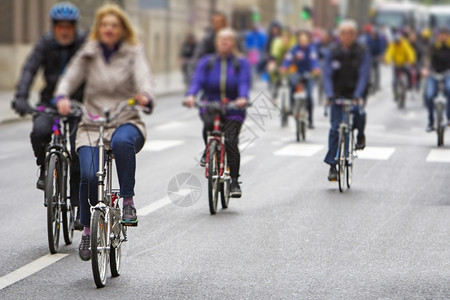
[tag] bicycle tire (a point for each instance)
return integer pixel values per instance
(298, 129)
(303, 131)
(52, 198)
(68, 212)
(284, 110)
(440, 126)
(115, 253)
(213, 170)
(225, 193)
(342, 162)
(99, 244)
(351, 149)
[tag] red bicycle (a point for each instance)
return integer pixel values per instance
(217, 170)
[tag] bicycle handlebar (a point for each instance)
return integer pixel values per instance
(74, 113)
(130, 103)
(440, 76)
(219, 106)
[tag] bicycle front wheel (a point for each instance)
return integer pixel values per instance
(115, 253)
(350, 161)
(53, 199)
(213, 177)
(342, 162)
(440, 126)
(99, 247)
(68, 212)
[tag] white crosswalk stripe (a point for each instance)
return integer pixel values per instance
(159, 145)
(439, 155)
(376, 153)
(304, 150)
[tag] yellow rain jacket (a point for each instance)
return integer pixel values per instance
(400, 53)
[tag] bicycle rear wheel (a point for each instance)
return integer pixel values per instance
(99, 247)
(213, 177)
(68, 212)
(53, 199)
(342, 162)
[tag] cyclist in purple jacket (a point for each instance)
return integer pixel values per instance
(223, 76)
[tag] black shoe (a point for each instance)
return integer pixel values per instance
(235, 189)
(360, 142)
(84, 250)
(333, 174)
(203, 160)
(40, 184)
(76, 223)
(129, 217)
(430, 128)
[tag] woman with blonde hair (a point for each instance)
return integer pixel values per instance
(223, 76)
(114, 67)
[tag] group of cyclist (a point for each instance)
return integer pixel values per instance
(109, 66)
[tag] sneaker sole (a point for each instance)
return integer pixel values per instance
(235, 195)
(83, 258)
(129, 223)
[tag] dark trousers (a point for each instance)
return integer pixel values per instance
(126, 141)
(41, 135)
(231, 128)
(359, 122)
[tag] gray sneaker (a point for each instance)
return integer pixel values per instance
(129, 217)
(84, 250)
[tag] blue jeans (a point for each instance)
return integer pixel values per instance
(293, 81)
(359, 122)
(126, 141)
(431, 91)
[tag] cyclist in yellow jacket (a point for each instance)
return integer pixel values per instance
(402, 55)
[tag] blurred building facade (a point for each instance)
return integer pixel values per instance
(162, 24)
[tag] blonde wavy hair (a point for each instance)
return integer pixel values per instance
(115, 10)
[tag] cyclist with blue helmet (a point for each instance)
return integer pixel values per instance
(51, 54)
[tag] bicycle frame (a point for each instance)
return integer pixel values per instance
(219, 136)
(346, 125)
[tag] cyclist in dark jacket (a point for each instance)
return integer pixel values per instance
(439, 63)
(51, 54)
(346, 73)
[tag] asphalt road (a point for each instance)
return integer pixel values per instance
(291, 236)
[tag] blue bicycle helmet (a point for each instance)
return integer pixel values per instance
(64, 11)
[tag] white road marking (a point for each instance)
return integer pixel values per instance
(246, 159)
(376, 153)
(170, 125)
(305, 150)
(439, 155)
(154, 206)
(30, 269)
(159, 145)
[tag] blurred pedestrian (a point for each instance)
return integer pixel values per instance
(255, 42)
(186, 55)
(207, 45)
